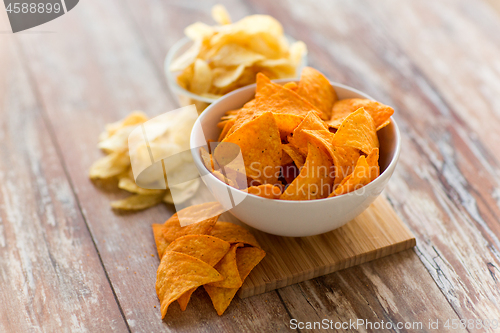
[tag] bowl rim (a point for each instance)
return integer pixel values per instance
(199, 163)
(171, 78)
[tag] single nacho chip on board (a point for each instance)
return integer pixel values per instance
(246, 259)
(228, 268)
(179, 273)
(314, 180)
(233, 233)
(315, 87)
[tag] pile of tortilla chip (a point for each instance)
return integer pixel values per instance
(228, 55)
(116, 164)
(299, 142)
(213, 254)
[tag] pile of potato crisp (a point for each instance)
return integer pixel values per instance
(299, 142)
(116, 164)
(227, 56)
(213, 254)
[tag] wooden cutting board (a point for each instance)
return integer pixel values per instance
(376, 233)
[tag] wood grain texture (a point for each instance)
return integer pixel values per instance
(51, 277)
(376, 233)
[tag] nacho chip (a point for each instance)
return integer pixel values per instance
(380, 113)
(265, 191)
(291, 85)
(226, 129)
(344, 158)
(357, 131)
(207, 159)
(295, 155)
(315, 87)
(363, 174)
(260, 146)
(166, 233)
(246, 259)
(228, 268)
(179, 273)
(311, 122)
(137, 202)
(233, 233)
(285, 158)
(205, 248)
(314, 181)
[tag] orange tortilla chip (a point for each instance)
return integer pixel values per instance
(357, 131)
(246, 259)
(294, 154)
(277, 99)
(344, 158)
(361, 176)
(315, 87)
(285, 158)
(203, 247)
(245, 114)
(227, 127)
(260, 145)
(179, 273)
(166, 233)
(233, 233)
(311, 122)
(268, 191)
(380, 113)
(207, 159)
(314, 181)
(291, 85)
(228, 268)
(372, 160)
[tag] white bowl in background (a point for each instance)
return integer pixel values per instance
(293, 218)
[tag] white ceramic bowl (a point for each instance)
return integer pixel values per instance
(293, 218)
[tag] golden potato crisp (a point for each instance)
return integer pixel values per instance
(265, 191)
(260, 146)
(357, 131)
(315, 87)
(233, 233)
(246, 259)
(341, 109)
(311, 122)
(207, 159)
(344, 158)
(137, 202)
(314, 181)
(179, 273)
(228, 268)
(110, 165)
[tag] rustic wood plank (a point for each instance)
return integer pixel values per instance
(51, 276)
(376, 233)
(91, 80)
(446, 184)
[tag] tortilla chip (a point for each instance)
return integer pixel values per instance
(260, 146)
(265, 191)
(207, 159)
(294, 154)
(380, 113)
(226, 129)
(179, 273)
(315, 87)
(277, 99)
(233, 233)
(291, 85)
(203, 247)
(311, 122)
(366, 170)
(228, 268)
(245, 114)
(357, 131)
(344, 158)
(166, 233)
(138, 201)
(246, 259)
(314, 181)
(285, 157)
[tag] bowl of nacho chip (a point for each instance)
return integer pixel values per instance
(214, 60)
(313, 154)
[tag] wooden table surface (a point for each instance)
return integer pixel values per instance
(68, 263)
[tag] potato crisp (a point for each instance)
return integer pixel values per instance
(299, 138)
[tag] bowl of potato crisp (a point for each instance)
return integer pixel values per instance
(213, 60)
(296, 157)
